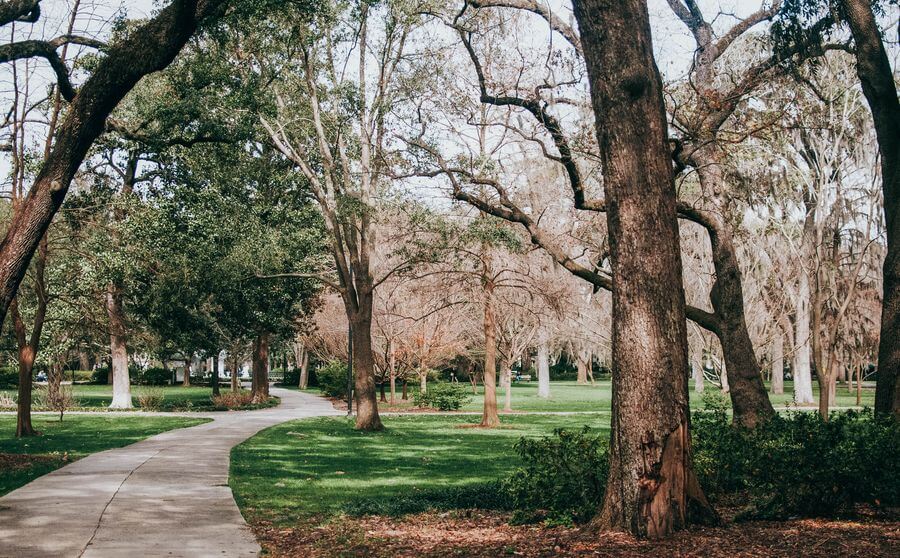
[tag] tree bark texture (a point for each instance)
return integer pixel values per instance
(260, 367)
(543, 369)
(778, 361)
(489, 417)
(877, 78)
(118, 350)
(652, 490)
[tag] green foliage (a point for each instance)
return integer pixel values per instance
(9, 377)
(444, 396)
(100, 376)
(156, 377)
(563, 478)
(333, 379)
(799, 465)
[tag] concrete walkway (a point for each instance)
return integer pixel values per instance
(164, 496)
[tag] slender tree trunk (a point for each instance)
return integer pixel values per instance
(260, 391)
(423, 381)
(403, 395)
(186, 380)
(778, 362)
(382, 397)
(802, 370)
(392, 370)
(235, 375)
(214, 376)
(118, 349)
(749, 399)
(877, 78)
(543, 369)
(652, 490)
(697, 372)
(489, 417)
(506, 371)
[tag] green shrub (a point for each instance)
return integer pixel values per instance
(444, 396)
(9, 377)
(799, 465)
(482, 496)
(333, 379)
(563, 478)
(150, 398)
(100, 376)
(156, 377)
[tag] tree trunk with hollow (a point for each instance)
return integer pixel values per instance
(652, 490)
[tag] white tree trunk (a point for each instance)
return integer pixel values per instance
(803, 394)
(543, 370)
(119, 353)
(778, 362)
(423, 381)
(724, 378)
(697, 373)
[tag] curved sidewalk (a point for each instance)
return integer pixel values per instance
(164, 496)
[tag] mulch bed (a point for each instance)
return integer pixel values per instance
(19, 461)
(488, 534)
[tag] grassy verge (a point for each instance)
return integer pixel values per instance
(571, 397)
(24, 459)
(322, 466)
(175, 398)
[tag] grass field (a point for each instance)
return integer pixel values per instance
(176, 398)
(24, 459)
(571, 397)
(318, 466)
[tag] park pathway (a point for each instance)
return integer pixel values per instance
(164, 496)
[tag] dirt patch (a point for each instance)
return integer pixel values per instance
(482, 534)
(19, 461)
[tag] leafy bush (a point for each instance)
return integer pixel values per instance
(59, 400)
(232, 399)
(333, 379)
(482, 496)
(799, 465)
(443, 396)
(151, 398)
(100, 376)
(156, 377)
(9, 377)
(563, 479)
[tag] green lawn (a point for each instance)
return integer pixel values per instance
(177, 398)
(74, 438)
(571, 397)
(317, 466)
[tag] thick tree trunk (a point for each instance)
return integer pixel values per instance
(364, 368)
(877, 78)
(149, 48)
(543, 369)
(802, 369)
(778, 362)
(304, 369)
(23, 407)
(118, 349)
(404, 395)
(489, 417)
(260, 367)
(582, 362)
(423, 381)
(382, 397)
(652, 490)
(84, 361)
